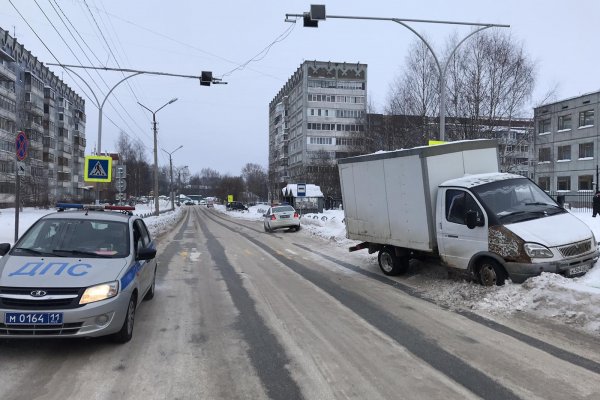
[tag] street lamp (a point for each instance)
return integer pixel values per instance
(317, 13)
(171, 168)
(156, 209)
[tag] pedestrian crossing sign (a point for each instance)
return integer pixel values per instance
(97, 169)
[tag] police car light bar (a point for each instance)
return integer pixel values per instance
(64, 206)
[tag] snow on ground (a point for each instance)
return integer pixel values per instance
(571, 301)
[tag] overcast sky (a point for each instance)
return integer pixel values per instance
(226, 126)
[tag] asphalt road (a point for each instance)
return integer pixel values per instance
(244, 314)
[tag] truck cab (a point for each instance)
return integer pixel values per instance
(501, 225)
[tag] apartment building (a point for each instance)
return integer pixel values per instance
(36, 101)
(315, 114)
(566, 145)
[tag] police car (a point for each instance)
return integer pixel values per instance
(79, 272)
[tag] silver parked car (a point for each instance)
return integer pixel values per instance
(79, 273)
(279, 217)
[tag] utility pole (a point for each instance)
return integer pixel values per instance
(317, 13)
(171, 167)
(156, 208)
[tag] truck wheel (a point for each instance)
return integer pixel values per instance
(390, 263)
(490, 273)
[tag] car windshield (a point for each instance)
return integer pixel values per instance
(283, 209)
(516, 200)
(75, 238)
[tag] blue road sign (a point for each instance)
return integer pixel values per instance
(97, 169)
(301, 189)
(22, 145)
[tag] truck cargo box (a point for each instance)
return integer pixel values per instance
(389, 197)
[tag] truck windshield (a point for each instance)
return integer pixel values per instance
(516, 200)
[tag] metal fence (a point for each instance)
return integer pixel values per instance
(579, 200)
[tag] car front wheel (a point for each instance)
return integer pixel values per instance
(126, 332)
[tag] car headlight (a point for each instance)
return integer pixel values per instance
(535, 250)
(100, 292)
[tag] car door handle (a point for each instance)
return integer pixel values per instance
(452, 236)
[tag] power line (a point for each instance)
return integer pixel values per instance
(86, 56)
(72, 52)
(57, 60)
(264, 51)
(47, 48)
(189, 45)
(109, 47)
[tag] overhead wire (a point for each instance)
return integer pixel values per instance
(88, 47)
(84, 91)
(86, 55)
(189, 45)
(264, 51)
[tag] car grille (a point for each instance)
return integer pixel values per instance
(40, 330)
(28, 302)
(576, 249)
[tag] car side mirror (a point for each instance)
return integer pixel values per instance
(4, 248)
(473, 220)
(146, 254)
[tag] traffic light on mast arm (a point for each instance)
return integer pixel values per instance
(316, 14)
(206, 78)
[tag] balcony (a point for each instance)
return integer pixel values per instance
(34, 108)
(9, 73)
(6, 92)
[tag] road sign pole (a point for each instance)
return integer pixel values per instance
(17, 201)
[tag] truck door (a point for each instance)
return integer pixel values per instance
(457, 243)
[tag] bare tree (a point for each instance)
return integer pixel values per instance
(255, 179)
(323, 172)
(416, 91)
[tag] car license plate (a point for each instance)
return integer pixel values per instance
(11, 318)
(285, 216)
(580, 269)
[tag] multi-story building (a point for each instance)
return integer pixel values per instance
(52, 115)
(566, 145)
(315, 116)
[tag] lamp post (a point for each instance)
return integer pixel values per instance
(317, 13)
(156, 209)
(171, 171)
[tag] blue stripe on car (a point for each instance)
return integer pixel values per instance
(130, 274)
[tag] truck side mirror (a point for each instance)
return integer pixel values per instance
(472, 219)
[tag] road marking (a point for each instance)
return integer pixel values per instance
(194, 254)
(291, 252)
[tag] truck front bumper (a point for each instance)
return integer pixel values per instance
(571, 267)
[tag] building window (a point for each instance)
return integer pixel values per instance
(585, 182)
(320, 140)
(586, 150)
(564, 122)
(544, 125)
(544, 155)
(586, 118)
(563, 183)
(564, 153)
(544, 183)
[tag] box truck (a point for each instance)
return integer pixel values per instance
(450, 201)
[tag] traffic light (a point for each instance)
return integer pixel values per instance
(206, 78)
(316, 14)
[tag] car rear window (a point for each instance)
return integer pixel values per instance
(283, 209)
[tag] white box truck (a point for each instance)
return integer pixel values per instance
(451, 202)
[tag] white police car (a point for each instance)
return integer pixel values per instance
(77, 273)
